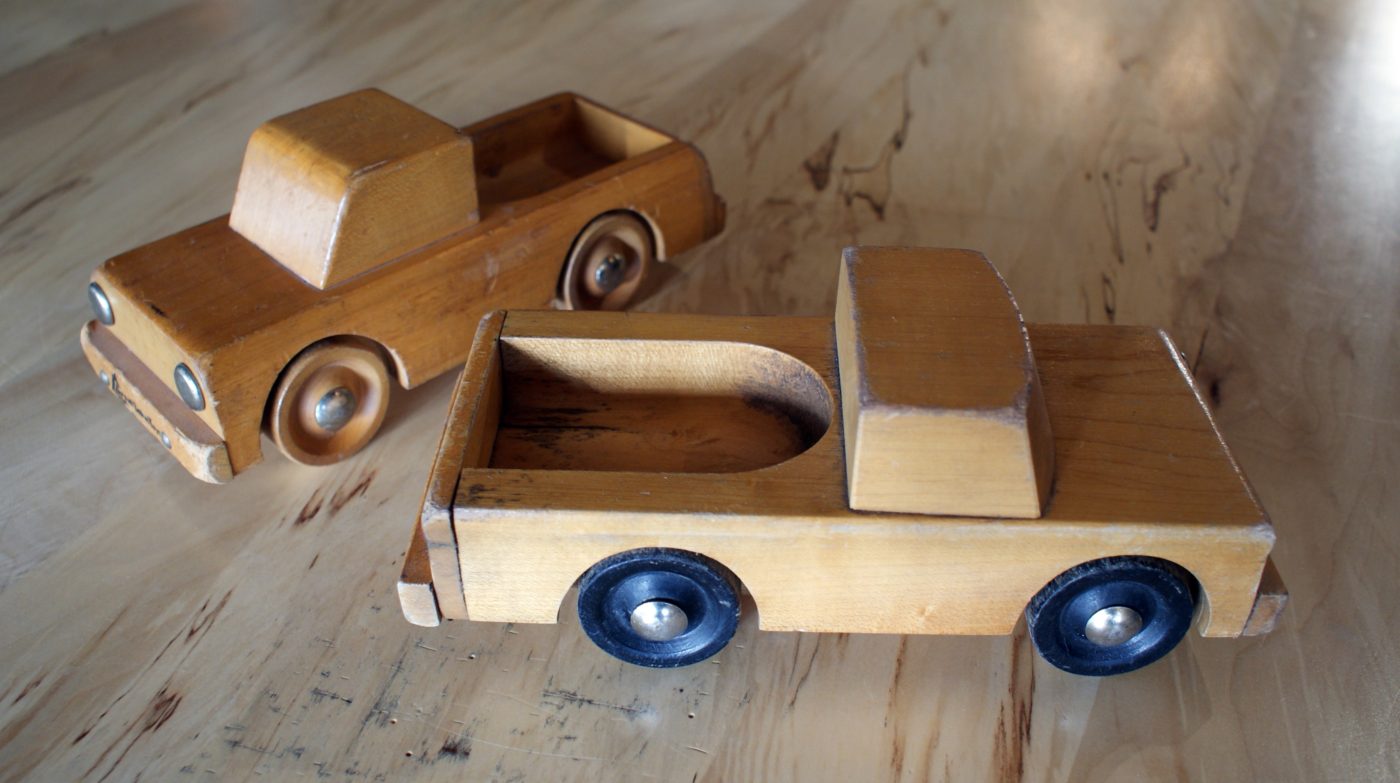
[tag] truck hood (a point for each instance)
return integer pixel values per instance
(207, 286)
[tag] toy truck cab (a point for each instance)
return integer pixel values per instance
(366, 238)
(913, 467)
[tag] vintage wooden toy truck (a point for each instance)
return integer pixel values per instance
(367, 239)
(927, 464)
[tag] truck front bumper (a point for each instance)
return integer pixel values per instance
(193, 443)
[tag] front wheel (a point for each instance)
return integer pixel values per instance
(1112, 616)
(330, 402)
(607, 263)
(661, 608)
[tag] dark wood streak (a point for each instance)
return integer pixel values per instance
(202, 622)
(34, 683)
(818, 165)
(157, 713)
(559, 698)
(1152, 203)
(384, 704)
(344, 496)
(882, 170)
(208, 93)
(807, 671)
(309, 510)
(457, 748)
(1110, 297)
(1013, 733)
(319, 695)
(163, 704)
(51, 193)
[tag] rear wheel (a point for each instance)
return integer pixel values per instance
(607, 263)
(1112, 616)
(330, 402)
(661, 608)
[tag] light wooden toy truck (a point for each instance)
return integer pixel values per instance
(366, 240)
(928, 464)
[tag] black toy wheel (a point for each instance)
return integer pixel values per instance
(661, 608)
(1112, 616)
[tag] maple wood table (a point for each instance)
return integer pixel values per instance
(1227, 172)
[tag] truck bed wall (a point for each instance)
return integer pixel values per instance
(548, 143)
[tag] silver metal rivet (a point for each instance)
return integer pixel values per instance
(105, 378)
(165, 440)
(335, 408)
(1113, 625)
(101, 305)
(659, 621)
(188, 387)
(608, 275)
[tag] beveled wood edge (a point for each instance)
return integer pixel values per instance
(1028, 410)
(435, 522)
(416, 594)
(1269, 602)
(191, 441)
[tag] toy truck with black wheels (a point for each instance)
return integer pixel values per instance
(922, 463)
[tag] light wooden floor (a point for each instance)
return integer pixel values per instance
(1228, 170)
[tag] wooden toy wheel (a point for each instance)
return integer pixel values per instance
(330, 402)
(607, 263)
(1112, 616)
(661, 608)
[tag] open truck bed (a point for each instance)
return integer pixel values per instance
(549, 143)
(914, 469)
(364, 224)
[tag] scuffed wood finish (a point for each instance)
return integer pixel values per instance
(333, 190)
(1224, 169)
(208, 296)
(197, 447)
(940, 398)
(618, 457)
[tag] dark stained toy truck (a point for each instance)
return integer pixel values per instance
(366, 240)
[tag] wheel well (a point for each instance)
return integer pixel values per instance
(734, 578)
(1197, 588)
(390, 359)
(658, 244)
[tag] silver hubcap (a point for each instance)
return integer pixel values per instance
(659, 621)
(188, 387)
(334, 409)
(1113, 625)
(101, 305)
(608, 275)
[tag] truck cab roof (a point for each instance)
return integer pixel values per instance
(340, 187)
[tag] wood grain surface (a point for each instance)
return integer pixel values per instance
(609, 405)
(941, 403)
(1228, 171)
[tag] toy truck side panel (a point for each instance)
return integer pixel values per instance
(1140, 470)
(211, 299)
(824, 575)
